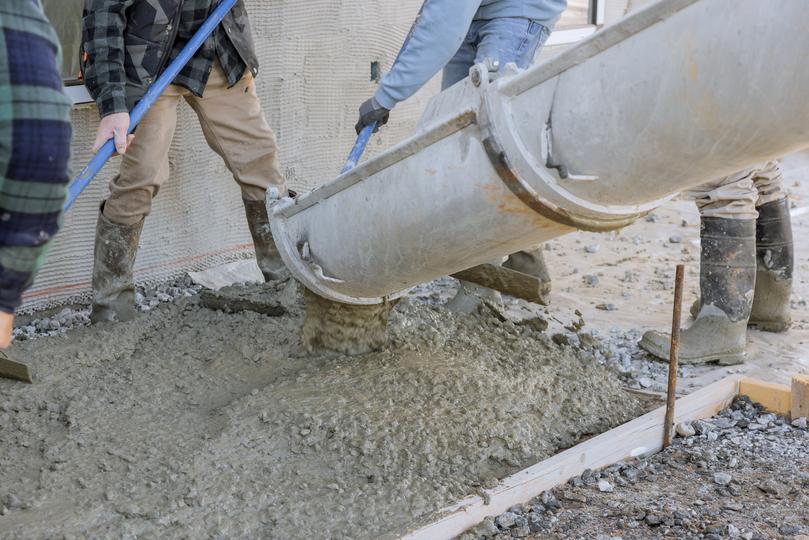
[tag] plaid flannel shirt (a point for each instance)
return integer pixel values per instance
(195, 74)
(34, 145)
(122, 60)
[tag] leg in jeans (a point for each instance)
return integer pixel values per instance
(504, 40)
(236, 129)
(516, 41)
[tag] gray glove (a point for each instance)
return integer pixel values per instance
(371, 111)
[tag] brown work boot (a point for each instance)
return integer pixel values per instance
(116, 247)
(267, 255)
(727, 281)
(531, 262)
(775, 264)
(774, 268)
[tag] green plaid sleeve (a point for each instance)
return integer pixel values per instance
(34, 145)
(103, 28)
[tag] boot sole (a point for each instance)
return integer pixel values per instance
(776, 327)
(725, 359)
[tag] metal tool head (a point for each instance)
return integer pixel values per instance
(10, 369)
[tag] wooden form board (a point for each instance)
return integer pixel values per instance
(640, 437)
(774, 397)
(799, 398)
(791, 401)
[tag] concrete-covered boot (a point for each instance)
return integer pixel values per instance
(774, 267)
(470, 296)
(267, 256)
(116, 247)
(531, 262)
(727, 280)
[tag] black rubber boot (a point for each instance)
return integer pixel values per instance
(267, 256)
(532, 263)
(727, 281)
(775, 264)
(774, 268)
(116, 247)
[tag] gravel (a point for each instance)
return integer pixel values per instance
(723, 481)
(146, 299)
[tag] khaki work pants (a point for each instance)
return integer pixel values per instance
(234, 127)
(737, 196)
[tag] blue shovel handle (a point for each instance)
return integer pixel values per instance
(365, 135)
(155, 91)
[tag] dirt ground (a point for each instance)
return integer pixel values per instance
(635, 267)
(191, 422)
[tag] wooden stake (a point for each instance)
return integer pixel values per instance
(673, 360)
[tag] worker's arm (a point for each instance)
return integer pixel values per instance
(103, 28)
(34, 161)
(437, 36)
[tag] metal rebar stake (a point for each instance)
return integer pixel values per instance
(671, 397)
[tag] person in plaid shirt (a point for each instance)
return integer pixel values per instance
(127, 44)
(34, 149)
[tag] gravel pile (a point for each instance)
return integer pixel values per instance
(74, 317)
(742, 474)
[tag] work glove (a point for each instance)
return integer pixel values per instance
(371, 111)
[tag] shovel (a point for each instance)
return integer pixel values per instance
(14, 370)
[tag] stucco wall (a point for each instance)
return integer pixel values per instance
(315, 71)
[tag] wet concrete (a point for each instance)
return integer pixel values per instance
(191, 422)
(342, 328)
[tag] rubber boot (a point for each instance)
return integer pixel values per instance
(775, 263)
(774, 268)
(532, 263)
(116, 247)
(727, 281)
(470, 297)
(267, 256)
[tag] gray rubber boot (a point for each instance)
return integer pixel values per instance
(775, 264)
(267, 256)
(727, 281)
(470, 297)
(116, 247)
(531, 262)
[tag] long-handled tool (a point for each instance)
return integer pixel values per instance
(671, 397)
(365, 135)
(10, 369)
(136, 115)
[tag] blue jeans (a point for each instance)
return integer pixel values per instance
(506, 40)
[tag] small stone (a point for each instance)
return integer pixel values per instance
(590, 280)
(653, 520)
(506, 520)
(560, 339)
(3, 510)
(733, 531)
(799, 423)
(747, 535)
(645, 382)
(789, 529)
(605, 487)
(521, 532)
(712, 436)
(675, 239)
(573, 496)
(722, 478)
(685, 429)
(594, 248)
(723, 423)
(651, 218)
(606, 307)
